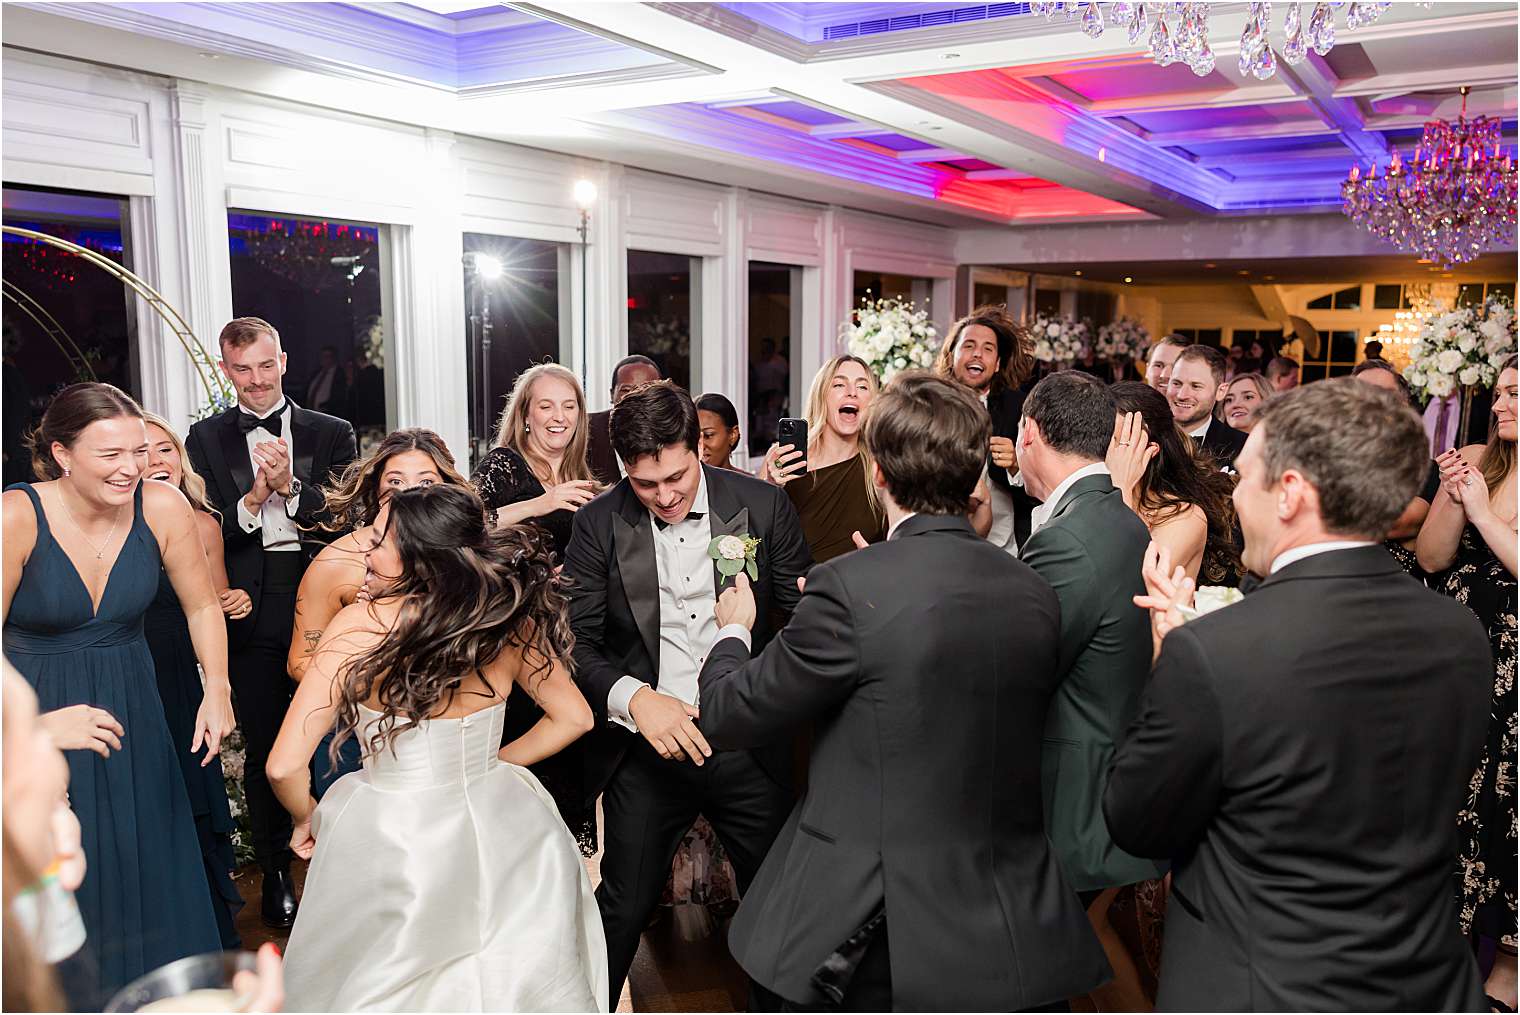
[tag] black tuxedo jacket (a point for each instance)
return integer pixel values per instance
(324, 446)
(1223, 442)
(599, 454)
(1303, 755)
(923, 792)
(615, 595)
(1006, 407)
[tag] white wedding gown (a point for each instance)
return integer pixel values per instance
(444, 880)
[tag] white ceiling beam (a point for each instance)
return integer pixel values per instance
(854, 128)
(1295, 128)
(1250, 95)
(758, 100)
(997, 175)
(1314, 79)
(1496, 75)
(931, 155)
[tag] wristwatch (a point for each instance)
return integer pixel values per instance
(294, 493)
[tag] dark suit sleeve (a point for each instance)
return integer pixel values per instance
(788, 554)
(311, 506)
(1165, 780)
(1060, 558)
(811, 665)
(233, 535)
(586, 568)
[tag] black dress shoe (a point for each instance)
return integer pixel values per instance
(279, 899)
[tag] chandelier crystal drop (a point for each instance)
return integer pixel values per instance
(1451, 201)
(1179, 32)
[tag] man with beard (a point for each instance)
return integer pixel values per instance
(989, 353)
(1196, 386)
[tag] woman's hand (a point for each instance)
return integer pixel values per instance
(1465, 486)
(236, 603)
(84, 728)
(302, 842)
(1129, 454)
(783, 463)
(568, 496)
(264, 988)
(213, 721)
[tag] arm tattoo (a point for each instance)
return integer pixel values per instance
(313, 639)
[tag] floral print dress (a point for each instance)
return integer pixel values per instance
(1486, 855)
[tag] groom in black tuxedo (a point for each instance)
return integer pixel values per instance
(643, 589)
(264, 461)
(915, 874)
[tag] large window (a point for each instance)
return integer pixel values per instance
(1336, 356)
(1349, 298)
(664, 310)
(1203, 336)
(775, 310)
(65, 319)
(514, 318)
(320, 283)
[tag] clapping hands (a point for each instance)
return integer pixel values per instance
(1465, 486)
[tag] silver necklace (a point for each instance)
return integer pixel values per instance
(100, 551)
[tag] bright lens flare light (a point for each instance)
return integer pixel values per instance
(488, 267)
(585, 193)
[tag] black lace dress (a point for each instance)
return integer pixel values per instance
(503, 477)
(1486, 825)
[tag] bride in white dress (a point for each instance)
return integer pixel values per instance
(442, 877)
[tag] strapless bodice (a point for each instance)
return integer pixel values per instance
(436, 753)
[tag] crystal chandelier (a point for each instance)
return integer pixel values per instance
(1179, 32)
(1453, 199)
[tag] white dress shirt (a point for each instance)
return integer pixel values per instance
(1042, 512)
(1203, 431)
(1299, 553)
(1002, 533)
(688, 625)
(275, 517)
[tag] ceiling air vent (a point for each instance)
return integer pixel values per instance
(933, 19)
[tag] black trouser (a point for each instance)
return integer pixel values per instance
(261, 690)
(649, 805)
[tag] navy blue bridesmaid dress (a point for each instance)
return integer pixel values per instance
(144, 900)
(179, 688)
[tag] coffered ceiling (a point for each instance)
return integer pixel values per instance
(955, 113)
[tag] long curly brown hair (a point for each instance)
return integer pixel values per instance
(467, 591)
(1182, 476)
(354, 501)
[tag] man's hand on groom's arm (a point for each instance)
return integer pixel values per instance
(737, 604)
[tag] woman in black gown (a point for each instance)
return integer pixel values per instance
(537, 475)
(1468, 544)
(82, 555)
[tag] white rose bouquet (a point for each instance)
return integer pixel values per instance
(891, 335)
(1122, 341)
(1460, 349)
(1059, 339)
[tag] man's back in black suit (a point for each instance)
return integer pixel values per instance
(1302, 754)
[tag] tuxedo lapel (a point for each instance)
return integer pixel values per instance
(234, 448)
(725, 517)
(303, 435)
(633, 541)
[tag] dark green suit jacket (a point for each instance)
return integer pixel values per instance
(1090, 551)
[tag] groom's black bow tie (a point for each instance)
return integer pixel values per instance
(663, 524)
(274, 422)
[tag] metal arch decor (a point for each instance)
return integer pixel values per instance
(50, 327)
(219, 394)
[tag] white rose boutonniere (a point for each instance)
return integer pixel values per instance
(1209, 598)
(734, 554)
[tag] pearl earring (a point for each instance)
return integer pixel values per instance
(65, 471)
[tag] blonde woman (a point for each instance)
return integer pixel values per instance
(1243, 400)
(830, 486)
(179, 681)
(537, 472)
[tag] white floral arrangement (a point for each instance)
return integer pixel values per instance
(1209, 598)
(1122, 341)
(891, 335)
(1059, 339)
(1461, 348)
(656, 336)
